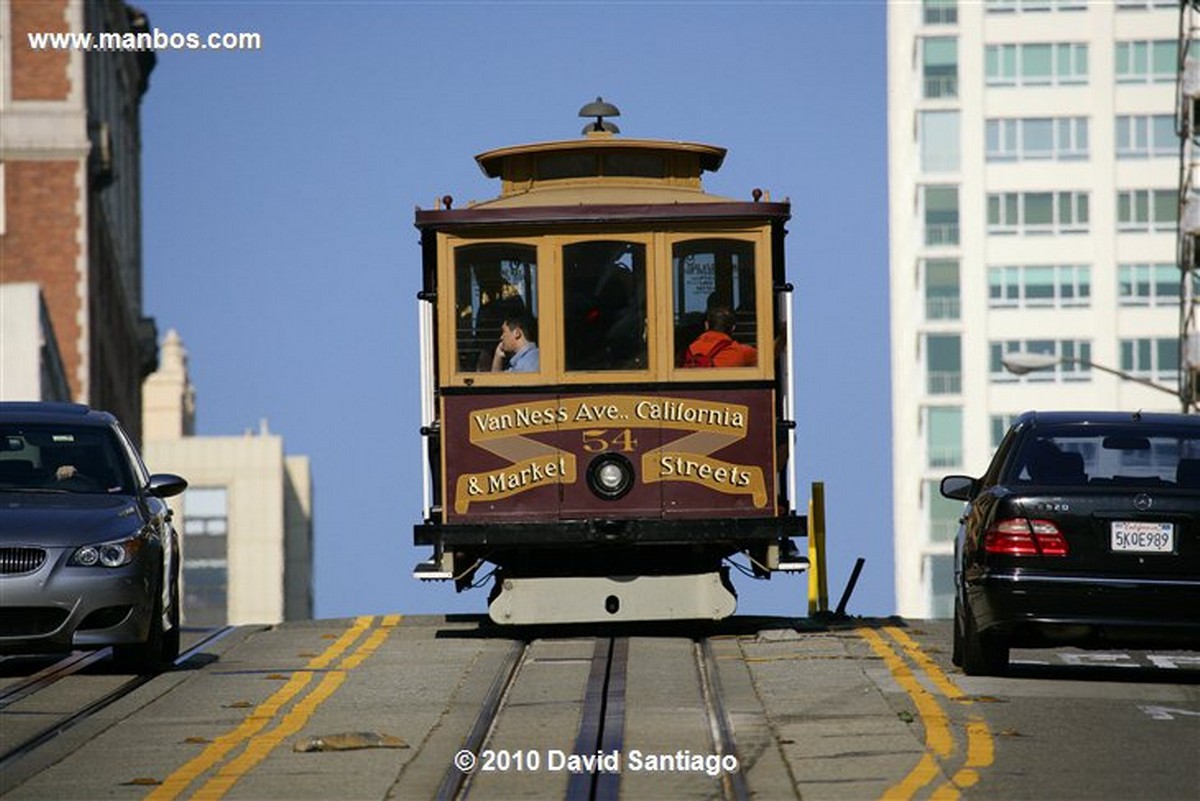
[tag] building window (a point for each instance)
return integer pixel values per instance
(1147, 61)
(940, 67)
(1142, 210)
(939, 141)
(1073, 354)
(1037, 138)
(1045, 286)
(1010, 6)
(943, 436)
(1141, 136)
(943, 362)
(939, 569)
(1043, 64)
(942, 300)
(940, 12)
(1151, 358)
(1037, 212)
(941, 215)
(1000, 423)
(205, 556)
(1148, 284)
(1145, 5)
(943, 513)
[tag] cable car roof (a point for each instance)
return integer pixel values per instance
(493, 162)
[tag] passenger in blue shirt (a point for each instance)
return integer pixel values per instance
(516, 346)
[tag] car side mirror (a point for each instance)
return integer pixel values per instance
(959, 488)
(164, 485)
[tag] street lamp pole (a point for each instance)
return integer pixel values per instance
(1022, 363)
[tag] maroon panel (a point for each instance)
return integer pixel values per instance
(737, 479)
(597, 213)
(696, 453)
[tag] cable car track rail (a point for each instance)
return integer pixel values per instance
(64, 667)
(602, 721)
(733, 784)
(69, 666)
(456, 783)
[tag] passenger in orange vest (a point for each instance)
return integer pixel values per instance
(716, 347)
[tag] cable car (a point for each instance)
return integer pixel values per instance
(606, 384)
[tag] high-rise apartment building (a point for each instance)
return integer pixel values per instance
(1034, 192)
(70, 197)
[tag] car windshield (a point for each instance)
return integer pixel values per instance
(61, 458)
(1109, 455)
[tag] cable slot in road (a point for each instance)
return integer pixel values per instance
(602, 726)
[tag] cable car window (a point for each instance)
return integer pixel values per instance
(639, 165)
(604, 298)
(492, 283)
(567, 165)
(715, 315)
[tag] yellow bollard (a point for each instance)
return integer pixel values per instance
(818, 591)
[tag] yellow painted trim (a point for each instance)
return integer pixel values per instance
(760, 236)
(659, 305)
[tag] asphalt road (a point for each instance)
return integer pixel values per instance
(378, 707)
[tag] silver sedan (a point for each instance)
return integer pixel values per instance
(88, 555)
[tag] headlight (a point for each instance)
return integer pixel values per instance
(610, 476)
(107, 554)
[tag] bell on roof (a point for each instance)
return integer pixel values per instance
(600, 109)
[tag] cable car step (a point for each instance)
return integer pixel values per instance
(588, 599)
(432, 570)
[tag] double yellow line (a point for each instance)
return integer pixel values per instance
(259, 743)
(939, 739)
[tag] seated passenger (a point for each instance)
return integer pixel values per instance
(500, 300)
(716, 347)
(515, 346)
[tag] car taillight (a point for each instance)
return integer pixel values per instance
(1018, 536)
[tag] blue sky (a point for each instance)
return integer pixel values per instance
(279, 187)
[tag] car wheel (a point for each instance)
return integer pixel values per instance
(147, 658)
(983, 653)
(956, 654)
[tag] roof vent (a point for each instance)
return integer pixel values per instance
(599, 109)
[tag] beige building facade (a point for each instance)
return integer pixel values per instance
(246, 517)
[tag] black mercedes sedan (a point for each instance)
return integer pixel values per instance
(1084, 531)
(88, 555)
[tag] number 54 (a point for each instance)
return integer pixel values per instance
(598, 439)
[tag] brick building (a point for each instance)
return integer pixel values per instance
(70, 193)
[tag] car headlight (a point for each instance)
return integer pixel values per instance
(116, 553)
(610, 476)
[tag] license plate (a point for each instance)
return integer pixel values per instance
(1131, 537)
